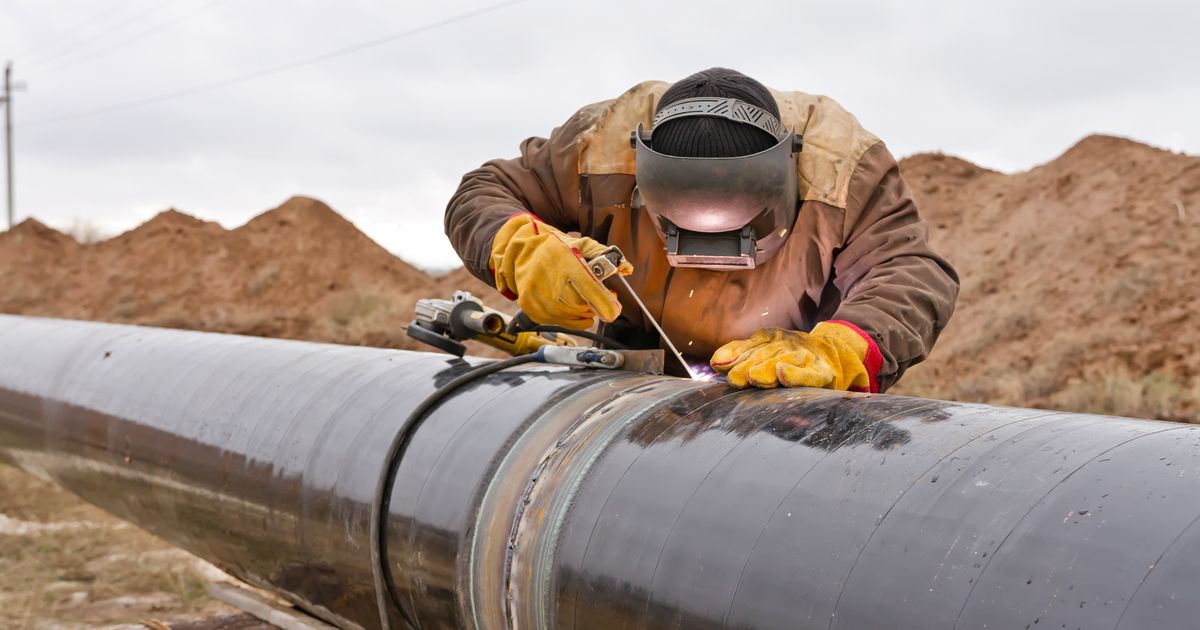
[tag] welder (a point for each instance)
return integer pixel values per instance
(767, 232)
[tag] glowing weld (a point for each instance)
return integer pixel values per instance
(702, 372)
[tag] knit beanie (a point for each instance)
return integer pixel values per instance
(709, 136)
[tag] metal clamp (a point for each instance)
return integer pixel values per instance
(605, 265)
(580, 357)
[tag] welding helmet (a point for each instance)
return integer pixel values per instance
(723, 213)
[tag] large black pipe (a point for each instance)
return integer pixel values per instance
(545, 497)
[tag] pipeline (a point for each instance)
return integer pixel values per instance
(547, 497)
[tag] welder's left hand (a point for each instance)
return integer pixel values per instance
(833, 356)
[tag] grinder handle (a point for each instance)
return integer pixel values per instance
(520, 323)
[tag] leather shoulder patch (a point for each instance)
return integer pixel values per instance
(604, 147)
(834, 141)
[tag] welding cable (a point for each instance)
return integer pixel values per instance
(383, 487)
(608, 342)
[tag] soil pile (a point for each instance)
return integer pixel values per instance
(298, 271)
(1080, 280)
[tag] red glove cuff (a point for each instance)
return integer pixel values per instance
(873, 361)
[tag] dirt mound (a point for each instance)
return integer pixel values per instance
(298, 271)
(1080, 280)
(36, 265)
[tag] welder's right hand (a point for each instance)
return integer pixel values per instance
(545, 270)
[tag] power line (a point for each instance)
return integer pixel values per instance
(102, 32)
(206, 87)
(126, 41)
(101, 35)
(52, 44)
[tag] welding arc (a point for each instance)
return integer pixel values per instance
(661, 332)
(258, 74)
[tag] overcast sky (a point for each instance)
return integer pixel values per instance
(384, 134)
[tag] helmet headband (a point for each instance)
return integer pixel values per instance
(728, 108)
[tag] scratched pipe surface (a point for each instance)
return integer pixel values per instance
(543, 497)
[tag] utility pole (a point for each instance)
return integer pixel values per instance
(8, 165)
(6, 99)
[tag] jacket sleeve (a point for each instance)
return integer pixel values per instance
(893, 286)
(543, 180)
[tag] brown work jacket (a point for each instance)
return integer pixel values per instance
(858, 251)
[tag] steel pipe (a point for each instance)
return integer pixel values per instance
(543, 497)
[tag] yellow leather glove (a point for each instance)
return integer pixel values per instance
(545, 271)
(832, 356)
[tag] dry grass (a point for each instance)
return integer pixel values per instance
(354, 306)
(66, 564)
(1156, 395)
(1117, 392)
(1014, 361)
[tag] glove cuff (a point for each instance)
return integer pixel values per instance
(872, 359)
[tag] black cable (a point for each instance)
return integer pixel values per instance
(608, 342)
(379, 568)
(273, 70)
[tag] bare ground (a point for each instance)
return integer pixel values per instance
(65, 564)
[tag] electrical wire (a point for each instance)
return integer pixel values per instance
(102, 34)
(608, 342)
(125, 42)
(53, 44)
(258, 74)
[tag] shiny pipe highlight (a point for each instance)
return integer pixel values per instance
(542, 497)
